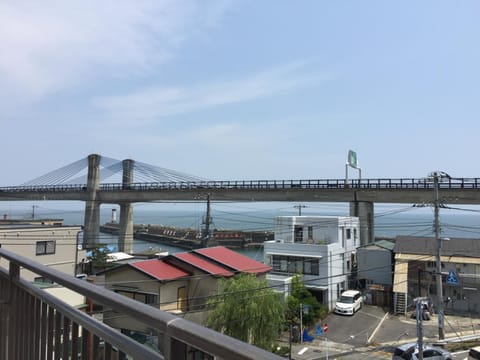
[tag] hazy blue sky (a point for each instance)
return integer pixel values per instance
(244, 89)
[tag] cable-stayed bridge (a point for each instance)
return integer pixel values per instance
(100, 180)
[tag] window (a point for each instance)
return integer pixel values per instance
(295, 265)
(149, 299)
(349, 233)
(298, 234)
(45, 247)
(310, 233)
(42, 279)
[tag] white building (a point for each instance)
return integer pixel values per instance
(54, 246)
(321, 248)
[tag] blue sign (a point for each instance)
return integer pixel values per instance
(451, 278)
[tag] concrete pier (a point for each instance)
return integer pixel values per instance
(125, 236)
(91, 236)
(364, 211)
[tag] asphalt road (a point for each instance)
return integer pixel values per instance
(347, 336)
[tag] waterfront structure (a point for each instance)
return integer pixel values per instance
(415, 271)
(322, 249)
(51, 245)
(160, 184)
(180, 283)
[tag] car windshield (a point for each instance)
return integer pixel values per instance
(346, 299)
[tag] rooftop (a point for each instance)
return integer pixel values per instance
(467, 247)
(233, 260)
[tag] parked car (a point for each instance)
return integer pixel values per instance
(410, 352)
(474, 353)
(349, 303)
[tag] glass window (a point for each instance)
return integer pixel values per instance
(308, 267)
(45, 247)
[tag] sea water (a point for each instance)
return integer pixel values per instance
(390, 220)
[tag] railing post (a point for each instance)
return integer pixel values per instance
(3, 318)
(11, 326)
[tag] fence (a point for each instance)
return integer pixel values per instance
(37, 325)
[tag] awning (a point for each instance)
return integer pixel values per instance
(316, 287)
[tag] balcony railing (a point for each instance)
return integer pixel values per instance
(37, 325)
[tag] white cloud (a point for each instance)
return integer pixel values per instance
(50, 45)
(155, 102)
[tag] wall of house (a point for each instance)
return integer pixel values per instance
(375, 265)
(464, 297)
(126, 279)
(52, 246)
(331, 240)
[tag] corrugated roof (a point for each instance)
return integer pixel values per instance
(233, 260)
(428, 246)
(203, 264)
(159, 269)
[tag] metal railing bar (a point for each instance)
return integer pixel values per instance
(107, 333)
(183, 330)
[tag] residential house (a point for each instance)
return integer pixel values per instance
(415, 272)
(375, 272)
(320, 248)
(51, 245)
(180, 283)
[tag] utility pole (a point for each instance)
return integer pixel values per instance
(33, 211)
(299, 207)
(419, 317)
(436, 179)
(206, 221)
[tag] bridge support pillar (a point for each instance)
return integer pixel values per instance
(364, 211)
(91, 235)
(125, 236)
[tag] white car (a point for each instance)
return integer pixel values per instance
(349, 303)
(410, 352)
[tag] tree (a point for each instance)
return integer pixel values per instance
(98, 258)
(249, 310)
(300, 295)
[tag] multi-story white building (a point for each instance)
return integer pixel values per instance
(320, 248)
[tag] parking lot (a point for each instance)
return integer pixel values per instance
(347, 337)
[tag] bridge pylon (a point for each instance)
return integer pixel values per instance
(125, 236)
(91, 236)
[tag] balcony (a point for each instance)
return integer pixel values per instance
(37, 325)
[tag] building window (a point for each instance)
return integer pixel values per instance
(42, 279)
(310, 233)
(146, 298)
(349, 234)
(45, 247)
(298, 234)
(295, 265)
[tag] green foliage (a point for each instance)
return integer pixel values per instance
(300, 295)
(249, 310)
(98, 257)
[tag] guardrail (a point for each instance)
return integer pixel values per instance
(36, 325)
(327, 184)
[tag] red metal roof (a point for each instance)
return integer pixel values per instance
(203, 264)
(234, 260)
(159, 269)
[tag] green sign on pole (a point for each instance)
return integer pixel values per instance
(352, 158)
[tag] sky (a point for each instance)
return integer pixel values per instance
(240, 90)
